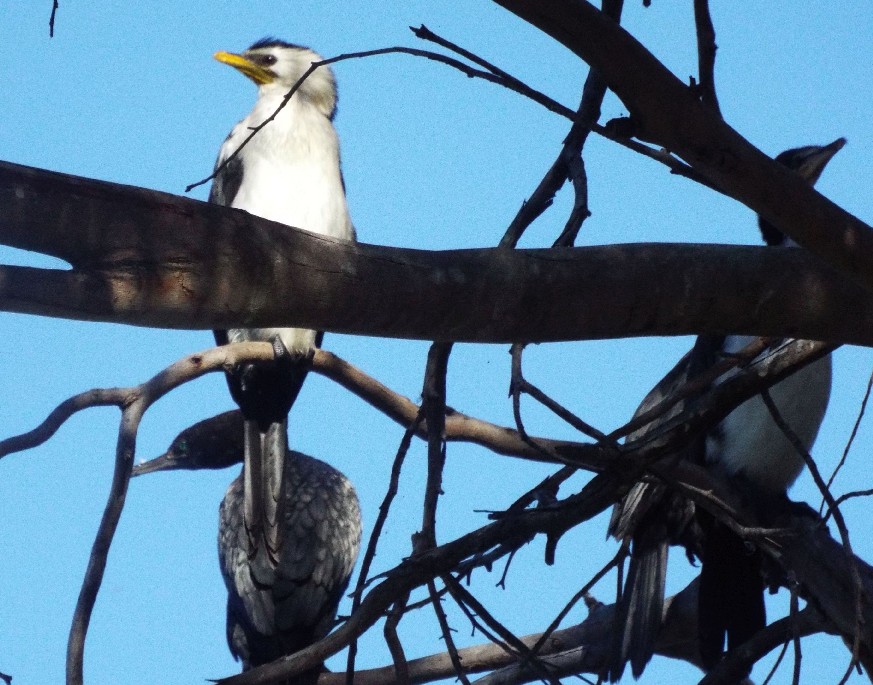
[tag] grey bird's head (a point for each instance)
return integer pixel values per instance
(275, 66)
(809, 162)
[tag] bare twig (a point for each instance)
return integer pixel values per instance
(519, 385)
(706, 49)
(794, 609)
(124, 455)
(562, 412)
(503, 637)
(55, 7)
(546, 490)
(516, 385)
(6, 678)
(92, 398)
(503, 576)
(543, 196)
(434, 408)
(373, 542)
(458, 426)
(853, 494)
(658, 154)
(447, 633)
(424, 33)
(395, 647)
(569, 162)
(583, 591)
(851, 439)
(775, 667)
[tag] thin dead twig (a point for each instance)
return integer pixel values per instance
(503, 638)
(794, 609)
(434, 408)
(447, 633)
(55, 7)
(581, 594)
(851, 439)
(706, 49)
(373, 542)
(395, 647)
(519, 385)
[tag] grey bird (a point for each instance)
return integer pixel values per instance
(321, 539)
(288, 172)
(748, 447)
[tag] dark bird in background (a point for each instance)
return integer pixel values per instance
(321, 539)
(288, 172)
(748, 447)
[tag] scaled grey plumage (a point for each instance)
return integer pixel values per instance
(747, 445)
(321, 534)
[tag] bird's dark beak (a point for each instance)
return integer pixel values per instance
(254, 71)
(817, 159)
(163, 463)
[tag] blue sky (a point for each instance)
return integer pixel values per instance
(128, 92)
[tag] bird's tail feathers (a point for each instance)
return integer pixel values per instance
(731, 602)
(264, 497)
(640, 611)
(275, 447)
(252, 479)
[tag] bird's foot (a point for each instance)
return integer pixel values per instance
(285, 356)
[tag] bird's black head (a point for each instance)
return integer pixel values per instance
(213, 443)
(809, 162)
(271, 42)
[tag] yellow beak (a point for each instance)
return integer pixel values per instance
(255, 72)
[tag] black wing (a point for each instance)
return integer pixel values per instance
(227, 181)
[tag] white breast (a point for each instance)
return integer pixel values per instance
(748, 441)
(291, 168)
(291, 174)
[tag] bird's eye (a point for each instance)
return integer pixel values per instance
(268, 60)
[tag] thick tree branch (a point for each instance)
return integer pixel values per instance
(667, 112)
(148, 258)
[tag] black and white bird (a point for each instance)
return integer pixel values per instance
(288, 172)
(321, 539)
(748, 447)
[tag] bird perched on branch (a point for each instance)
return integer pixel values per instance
(283, 562)
(747, 446)
(321, 539)
(288, 172)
